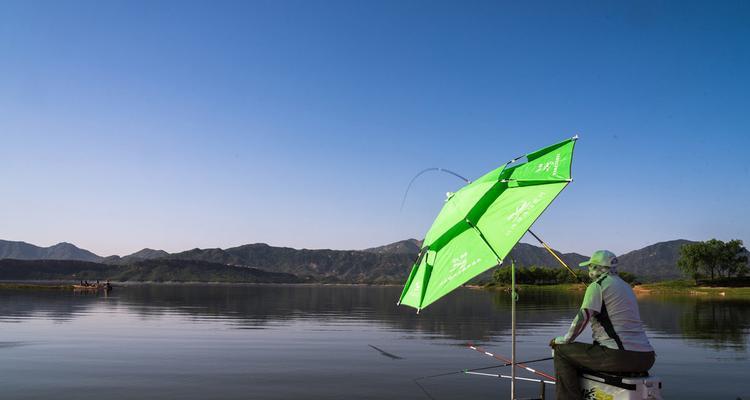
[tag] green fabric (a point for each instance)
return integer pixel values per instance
(480, 224)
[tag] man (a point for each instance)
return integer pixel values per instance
(620, 343)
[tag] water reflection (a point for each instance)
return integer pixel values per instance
(232, 342)
(716, 323)
(721, 324)
(469, 315)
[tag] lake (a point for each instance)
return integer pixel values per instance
(329, 342)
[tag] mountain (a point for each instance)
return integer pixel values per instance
(408, 246)
(350, 266)
(144, 254)
(147, 254)
(384, 264)
(60, 251)
(390, 263)
(655, 262)
(169, 270)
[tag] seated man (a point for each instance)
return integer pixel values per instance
(620, 343)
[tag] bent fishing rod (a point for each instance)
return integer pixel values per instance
(420, 173)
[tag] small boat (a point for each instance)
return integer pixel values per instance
(104, 287)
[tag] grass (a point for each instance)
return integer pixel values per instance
(690, 288)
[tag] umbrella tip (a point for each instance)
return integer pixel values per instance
(575, 137)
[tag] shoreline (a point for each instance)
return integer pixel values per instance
(47, 284)
(683, 288)
(690, 289)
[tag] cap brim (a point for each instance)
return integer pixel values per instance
(585, 263)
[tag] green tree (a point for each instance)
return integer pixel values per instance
(536, 275)
(502, 275)
(713, 257)
(733, 259)
(629, 278)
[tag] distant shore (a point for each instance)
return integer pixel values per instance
(67, 285)
(690, 288)
(667, 287)
(657, 288)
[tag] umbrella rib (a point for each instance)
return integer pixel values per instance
(535, 181)
(481, 235)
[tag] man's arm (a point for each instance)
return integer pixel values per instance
(577, 326)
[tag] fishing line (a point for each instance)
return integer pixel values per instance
(463, 371)
(403, 201)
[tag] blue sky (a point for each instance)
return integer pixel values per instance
(177, 125)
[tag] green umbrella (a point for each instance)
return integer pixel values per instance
(480, 223)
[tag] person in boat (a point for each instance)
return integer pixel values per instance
(620, 341)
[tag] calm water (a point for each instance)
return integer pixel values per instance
(313, 342)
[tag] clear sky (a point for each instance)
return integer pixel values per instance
(180, 124)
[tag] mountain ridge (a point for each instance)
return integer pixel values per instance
(60, 251)
(389, 263)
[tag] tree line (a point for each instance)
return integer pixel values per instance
(536, 275)
(713, 259)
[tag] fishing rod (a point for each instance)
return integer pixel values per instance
(465, 371)
(510, 377)
(403, 201)
(549, 249)
(519, 365)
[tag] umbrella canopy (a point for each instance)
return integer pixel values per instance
(480, 223)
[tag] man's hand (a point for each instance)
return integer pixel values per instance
(558, 340)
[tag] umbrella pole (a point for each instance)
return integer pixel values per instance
(513, 329)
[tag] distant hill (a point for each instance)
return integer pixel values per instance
(351, 266)
(60, 251)
(655, 262)
(408, 246)
(160, 270)
(170, 270)
(145, 254)
(384, 264)
(63, 270)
